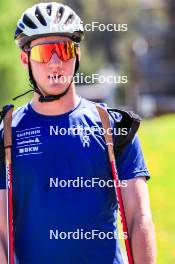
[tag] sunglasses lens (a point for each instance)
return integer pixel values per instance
(64, 50)
(41, 53)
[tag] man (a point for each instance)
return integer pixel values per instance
(60, 223)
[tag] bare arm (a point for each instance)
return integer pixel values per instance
(3, 228)
(139, 220)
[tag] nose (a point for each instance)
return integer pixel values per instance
(55, 61)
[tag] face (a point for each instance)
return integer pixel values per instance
(52, 77)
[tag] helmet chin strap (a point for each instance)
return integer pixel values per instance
(45, 98)
(50, 98)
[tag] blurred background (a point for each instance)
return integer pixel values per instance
(144, 54)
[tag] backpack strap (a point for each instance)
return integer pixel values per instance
(108, 137)
(6, 137)
(6, 116)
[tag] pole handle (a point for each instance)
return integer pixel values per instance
(7, 116)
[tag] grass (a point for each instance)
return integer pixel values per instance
(158, 143)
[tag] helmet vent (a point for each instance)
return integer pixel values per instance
(59, 15)
(28, 22)
(18, 32)
(49, 10)
(40, 17)
(70, 19)
(21, 25)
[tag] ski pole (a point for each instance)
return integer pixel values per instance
(109, 142)
(122, 212)
(7, 116)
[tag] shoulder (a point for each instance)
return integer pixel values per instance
(125, 125)
(131, 162)
(17, 115)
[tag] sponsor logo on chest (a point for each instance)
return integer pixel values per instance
(28, 141)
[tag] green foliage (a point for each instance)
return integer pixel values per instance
(12, 76)
(157, 137)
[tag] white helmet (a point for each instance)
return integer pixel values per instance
(48, 19)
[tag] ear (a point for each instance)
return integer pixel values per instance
(24, 59)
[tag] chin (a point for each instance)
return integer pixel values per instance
(56, 89)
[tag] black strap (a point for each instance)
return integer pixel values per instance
(130, 121)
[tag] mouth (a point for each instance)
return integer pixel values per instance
(54, 77)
